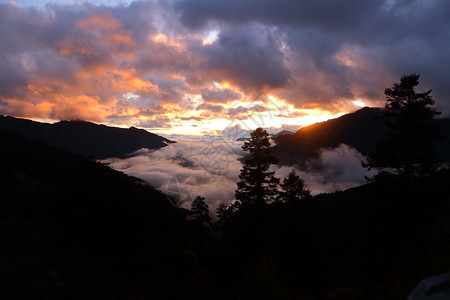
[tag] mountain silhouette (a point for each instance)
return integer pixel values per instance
(72, 228)
(86, 138)
(362, 130)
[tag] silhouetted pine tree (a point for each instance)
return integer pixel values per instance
(293, 189)
(408, 147)
(257, 184)
(200, 212)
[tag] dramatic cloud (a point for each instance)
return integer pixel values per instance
(210, 168)
(196, 65)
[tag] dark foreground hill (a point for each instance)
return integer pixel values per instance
(85, 138)
(362, 130)
(376, 241)
(71, 228)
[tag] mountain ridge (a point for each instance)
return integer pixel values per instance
(74, 228)
(283, 132)
(362, 130)
(86, 138)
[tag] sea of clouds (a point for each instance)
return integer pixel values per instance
(210, 167)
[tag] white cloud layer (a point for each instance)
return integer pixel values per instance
(211, 167)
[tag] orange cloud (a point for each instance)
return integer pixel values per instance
(103, 20)
(90, 94)
(80, 107)
(76, 47)
(97, 34)
(60, 108)
(114, 80)
(121, 38)
(169, 42)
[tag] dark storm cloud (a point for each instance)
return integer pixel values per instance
(325, 13)
(250, 58)
(385, 39)
(23, 35)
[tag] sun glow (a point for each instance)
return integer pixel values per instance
(311, 117)
(359, 103)
(267, 111)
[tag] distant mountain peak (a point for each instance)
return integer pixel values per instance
(283, 132)
(86, 138)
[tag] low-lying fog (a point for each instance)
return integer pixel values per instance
(210, 167)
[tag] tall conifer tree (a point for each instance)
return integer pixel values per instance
(407, 150)
(200, 212)
(257, 184)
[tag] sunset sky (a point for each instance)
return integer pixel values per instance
(198, 66)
